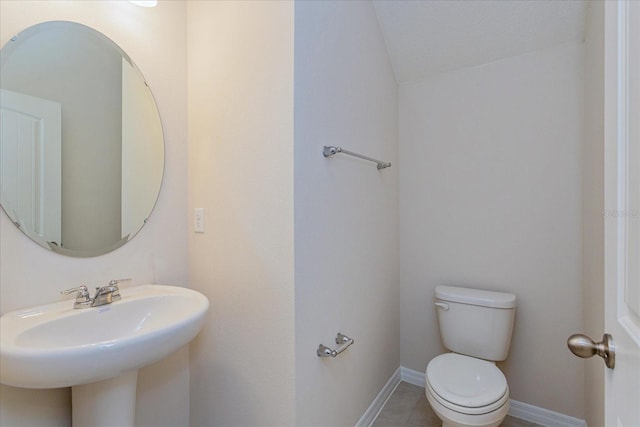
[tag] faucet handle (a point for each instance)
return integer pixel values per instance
(116, 281)
(112, 286)
(81, 290)
(82, 296)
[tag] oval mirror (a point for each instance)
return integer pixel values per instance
(81, 143)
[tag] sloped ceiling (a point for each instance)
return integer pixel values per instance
(425, 37)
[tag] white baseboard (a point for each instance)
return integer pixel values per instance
(412, 377)
(544, 417)
(520, 410)
(376, 406)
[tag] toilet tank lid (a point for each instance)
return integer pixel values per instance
(479, 297)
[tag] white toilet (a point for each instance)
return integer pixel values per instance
(465, 388)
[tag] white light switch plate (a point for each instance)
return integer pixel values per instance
(198, 217)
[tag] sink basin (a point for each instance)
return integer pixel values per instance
(53, 345)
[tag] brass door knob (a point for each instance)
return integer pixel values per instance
(583, 346)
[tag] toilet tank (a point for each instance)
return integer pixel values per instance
(475, 322)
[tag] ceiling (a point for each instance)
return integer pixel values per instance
(426, 37)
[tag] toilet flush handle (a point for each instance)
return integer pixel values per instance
(442, 305)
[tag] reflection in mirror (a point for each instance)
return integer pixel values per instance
(81, 143)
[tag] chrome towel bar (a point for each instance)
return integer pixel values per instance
(330, 150)
(343, 342)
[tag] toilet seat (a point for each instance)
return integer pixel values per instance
(465, 384)
(451, 418)
(481, 410)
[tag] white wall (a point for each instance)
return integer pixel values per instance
(490, 197)
(241, 171)
(29, 275)
(592, 209)
(346, 211)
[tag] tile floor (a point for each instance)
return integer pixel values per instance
(408, 407)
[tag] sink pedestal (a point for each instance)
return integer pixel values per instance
(107, 403)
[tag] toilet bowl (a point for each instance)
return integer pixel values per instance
(465, 391)
(465, 387)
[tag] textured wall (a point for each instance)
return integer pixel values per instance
(490, 197)
(346, 211)
(241, 172)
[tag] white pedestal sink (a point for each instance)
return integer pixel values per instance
(98, 351)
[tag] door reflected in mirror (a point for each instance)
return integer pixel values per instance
(81, 142)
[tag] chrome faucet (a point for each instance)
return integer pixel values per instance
(104, 295)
